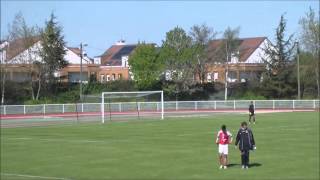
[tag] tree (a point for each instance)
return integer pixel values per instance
(145, 65)
(228, 49)
(310, 40)
(177, 54)
(201, 36)
(53, 49)
(278, 79)
(3, 69)
(23, 39)
(307, 73)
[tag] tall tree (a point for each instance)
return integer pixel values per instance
(145, 65)
(278, 81)
(201, 36)
(23, 39)
(177, 54)
(53, 49)
(310, 40)
(308, 79)
(228, 49)
(3, 68)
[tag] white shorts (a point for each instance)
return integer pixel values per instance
(223, 149)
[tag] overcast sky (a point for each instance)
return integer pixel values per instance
(101, 23)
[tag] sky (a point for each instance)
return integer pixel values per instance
(101, 23)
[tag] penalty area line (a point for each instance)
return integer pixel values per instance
(32, 176)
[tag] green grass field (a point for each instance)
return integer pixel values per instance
(181, 148)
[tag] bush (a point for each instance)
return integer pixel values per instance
(250, 96)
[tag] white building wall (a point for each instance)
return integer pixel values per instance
(258, 55)
(23, 58)
(73, 58)
(124, 61)
(97, 60)
(70, 56)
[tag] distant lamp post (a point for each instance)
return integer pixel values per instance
(81, 56)
(226, 74)
(298, 67)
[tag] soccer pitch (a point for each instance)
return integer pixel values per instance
(175, 148)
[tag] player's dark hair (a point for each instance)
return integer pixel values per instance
(224, 128)
(244, 123)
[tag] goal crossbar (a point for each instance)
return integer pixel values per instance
(136, 94)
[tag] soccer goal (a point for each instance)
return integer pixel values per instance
(132, 105)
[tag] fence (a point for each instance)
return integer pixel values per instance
(156, 106)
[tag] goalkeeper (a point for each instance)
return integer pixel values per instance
(251, 113)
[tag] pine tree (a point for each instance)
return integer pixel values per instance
(53, 49)
(278, 80)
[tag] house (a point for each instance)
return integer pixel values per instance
(19, 65)
(111, 65)
(247, 64)
(114, 62)
(15, 62)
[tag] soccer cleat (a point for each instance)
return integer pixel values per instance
(247, 167)
(243, 167)
(221, 167)
(254, 122)
(225, 167)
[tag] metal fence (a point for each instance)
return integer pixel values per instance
(156, 106)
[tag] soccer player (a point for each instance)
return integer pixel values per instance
(246, 143)
(224, 137)
(251, 113)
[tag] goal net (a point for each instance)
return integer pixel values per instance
(132, 105)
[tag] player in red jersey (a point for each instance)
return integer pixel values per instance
(224, 138)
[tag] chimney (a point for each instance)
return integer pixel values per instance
(120, 42)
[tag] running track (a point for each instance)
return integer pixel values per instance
(34, 120)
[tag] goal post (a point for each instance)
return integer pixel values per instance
(133, 103)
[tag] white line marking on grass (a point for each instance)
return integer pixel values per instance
(31, 176)
(69, 140)
(183, 116)
(22, 138)
(192, 134)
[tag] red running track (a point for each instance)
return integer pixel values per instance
(85, 114)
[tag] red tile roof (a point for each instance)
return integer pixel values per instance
(246, 48)
(76, 50)
(112, 56)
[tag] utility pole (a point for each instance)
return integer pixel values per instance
(226, 75)
(81, 71)
(298, 68)
(81, 56)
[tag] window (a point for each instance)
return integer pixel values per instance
(102, 79)
(108, 77)
(113, 77)
(209, 79)
(215, 76)
(120, 76)
(232, 76)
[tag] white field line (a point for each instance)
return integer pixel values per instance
(64, 140)
(192, 134)
(31, 176)
(183, 116)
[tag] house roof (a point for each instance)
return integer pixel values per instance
(19, 45)
(113, 55)
(246, 48)
(76, 50)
